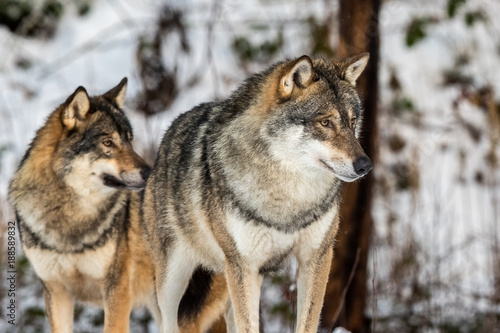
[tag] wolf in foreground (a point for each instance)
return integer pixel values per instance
(240, 185)
(78, 207)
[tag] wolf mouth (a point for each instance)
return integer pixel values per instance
(341, 177)
(327, 166)
(112, 181)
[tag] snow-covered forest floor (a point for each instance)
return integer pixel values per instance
(435, 259)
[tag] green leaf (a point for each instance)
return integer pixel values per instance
(12, 13)
(417, 30)
(248, 51)
(453, 6)
(403, 104)
(243, 48)
(472, 17)
(53, 9)
(320, 37)
(259, 27)
(84, 9)
(34, 312)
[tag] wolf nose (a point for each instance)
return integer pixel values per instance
(145, 173)
(362, 165)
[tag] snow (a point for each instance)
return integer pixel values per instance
(450, 217)
(450, 222)
(340, 330)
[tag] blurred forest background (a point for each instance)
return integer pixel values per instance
(419, 246)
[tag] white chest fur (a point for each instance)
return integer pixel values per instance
(53, 266)
(258, 243)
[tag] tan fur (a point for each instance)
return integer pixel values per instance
(272, 91)
(42, 154)
(243, 284)
(312, 294)
(59, 306)
(268, 98)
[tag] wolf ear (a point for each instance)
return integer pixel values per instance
(351, 68)
(77, 106)
(300, 75)
(117, 94)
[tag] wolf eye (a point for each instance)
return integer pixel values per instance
(107, 143)
(325, 122)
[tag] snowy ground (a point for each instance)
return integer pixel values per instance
(451, 222)
(451, 218)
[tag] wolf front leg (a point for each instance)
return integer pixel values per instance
(172, 277)
(117, 301)
(59, 306)
(311, 285)
(244, 291)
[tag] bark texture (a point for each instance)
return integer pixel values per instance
(359, 32)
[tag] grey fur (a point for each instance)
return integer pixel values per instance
(236, 187)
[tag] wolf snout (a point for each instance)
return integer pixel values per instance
(362, 165)
(138, 176)
(136, 179)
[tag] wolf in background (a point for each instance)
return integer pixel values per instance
(76, 198)
(240, 185)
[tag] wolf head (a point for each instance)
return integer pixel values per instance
(95, 148)
(313, 116)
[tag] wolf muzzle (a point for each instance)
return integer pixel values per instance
(131, 180)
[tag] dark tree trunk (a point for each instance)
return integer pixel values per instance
(359, 32)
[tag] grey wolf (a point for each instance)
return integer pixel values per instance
(76, 198)
(240, 185)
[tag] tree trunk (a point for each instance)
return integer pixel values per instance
(359, 32)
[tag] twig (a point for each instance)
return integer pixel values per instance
(125, 17)
(215, 16)
(374, 292)
(344, 292)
